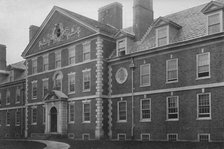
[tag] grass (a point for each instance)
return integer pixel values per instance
(140, 145)
(12, 144)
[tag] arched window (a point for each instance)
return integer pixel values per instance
(58, 82)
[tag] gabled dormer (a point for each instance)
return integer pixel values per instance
(166, 31)
(214, 13)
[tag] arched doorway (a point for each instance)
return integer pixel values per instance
(53, 113)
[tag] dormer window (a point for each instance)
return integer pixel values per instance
(214, 23)
(162, 37)
(121, 47)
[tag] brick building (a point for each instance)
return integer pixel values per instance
(160, 79)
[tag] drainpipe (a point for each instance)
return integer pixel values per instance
(132, 67)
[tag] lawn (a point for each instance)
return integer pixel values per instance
(140, 145)
(12, 144)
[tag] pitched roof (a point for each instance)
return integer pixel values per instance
(18, 65)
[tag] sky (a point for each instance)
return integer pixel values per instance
(16, 16)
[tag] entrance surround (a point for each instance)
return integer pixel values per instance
(58, 100)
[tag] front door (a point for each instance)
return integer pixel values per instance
(53, 114)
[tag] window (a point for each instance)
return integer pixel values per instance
(7, 97)
(17, 117)
(172, 137)
(162, 36)
(172, 108)
(203, 65)
(44, 114)
(34, 115)
(0, 99)
(34, 90)
(121, 136)
(58, 59)
(18, 94)
(86, 80)
(71, 81)
(71, 112)
(145, 109)
(45, 63)
(34, 66)
(7, 118)
(145, 75)
(85, 136)
(122, 111)
(204, 137)
(71, 59)
(204, 106)
(86, 51)
(58, 82)
(172, 70)
(121, 47)
(145, 137)
(214, 23)
(45, 87)
(86, 111)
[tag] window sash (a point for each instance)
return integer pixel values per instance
(44, 116)
(71, 112)
(18, 95)
(122, 111)
(86, 52)
(204, 137)
(71, 83)
(34, 66)
(34, 90)
(204, 105)
(203, 65)
(45, 87)
(86, 112)
(7, 118)
(145, 109)
(145, 74)
(86, 80)
(172, 70)
(8, 97)
(172, 137)
(172, 108)
(17, 117)
(162, 36)
(34, 116)
(72, 56)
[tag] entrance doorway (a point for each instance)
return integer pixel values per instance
(53, 113)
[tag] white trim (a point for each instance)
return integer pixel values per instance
(167, 35)
(11, 108)
(125, 44)
(149, 73)
(210, 108)
(34, 59)
(70, 50)
(175, 134)
(147, 134)
(45, 80)
(69, 112)
(47, 57)
(89, 103)
(220, 12)
(197, 65)
(167, 61)
(84, 71)
(58, 52)
(69, 79)
(208, 134)
(84, 51)
(221, 84)
(119, 134)
(167, 108)
(141, 119)
(118, 115)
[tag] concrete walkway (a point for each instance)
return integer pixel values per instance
(53, 144)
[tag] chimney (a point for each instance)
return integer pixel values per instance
(2, 57)
(111, 14)
(33, 31)
(142, 17)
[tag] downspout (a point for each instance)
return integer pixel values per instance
(132, 66)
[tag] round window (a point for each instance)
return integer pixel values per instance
(121, 75)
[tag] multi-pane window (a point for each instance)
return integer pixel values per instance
(203, 65)
(34, 66)
(204, 105)
(71, 59)
(121, 136)
(7, 97)
(86, 51)
(121, 47)
(145, 75)
(45, 63)
(145, 109)
(44, 87)
(86, 112)
(172, 137)
(214, 23)
(33, 115)
(18, 94)
(172, 108)
(122, 111)
(162, 36)
(172, 70)
(145, 137)
(86, 80)
(71, 112)
(7, 118)
(71, 81)
(58, 82)
(204, 137)
(34, 89)
(17, 119)
(57, 59)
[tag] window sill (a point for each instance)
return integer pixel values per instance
(17, 102)
(145, 120)
(7, 104)
(34, 98)
(8, 125)
(209, 118)
(172, 120)
(34, 124)
(201, 78)
(70, 93)
(123, 121)
(17, 125)
(146, 85)
(71, 122)
(86, 122)
(170, 82)
(86, 90)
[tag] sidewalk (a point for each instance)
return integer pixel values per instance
(53, 144)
